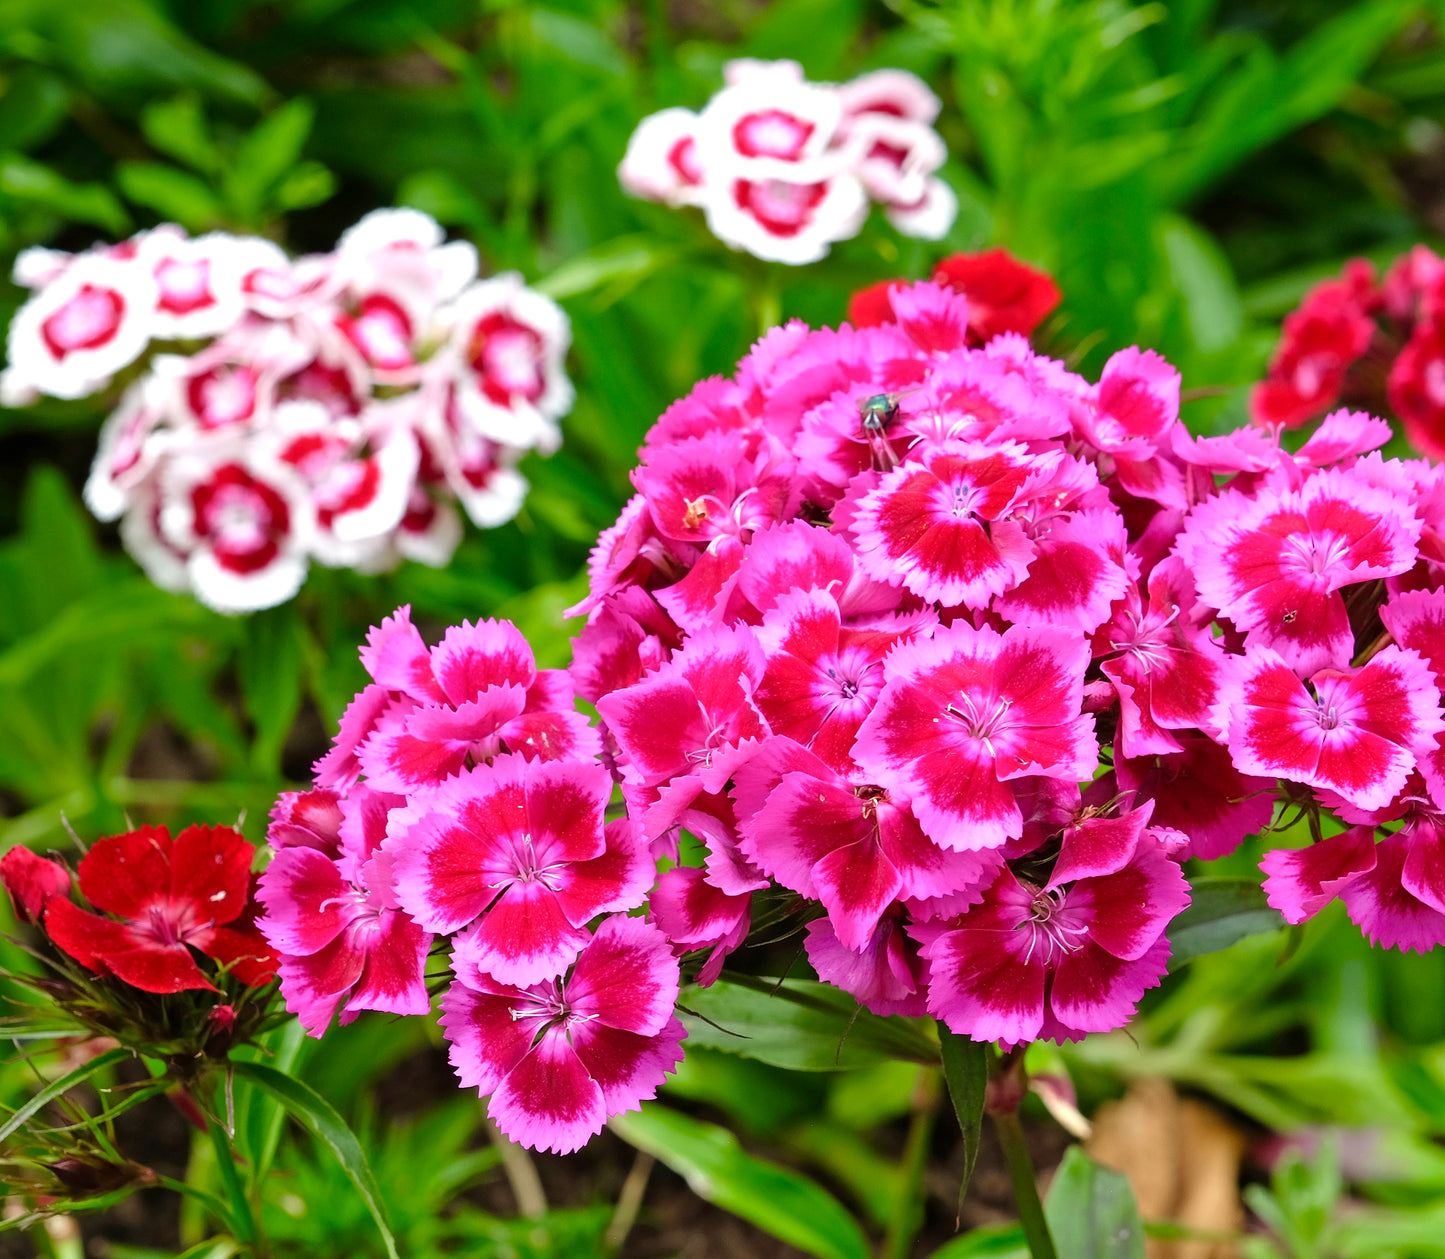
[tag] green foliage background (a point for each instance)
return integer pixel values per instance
(1184, 169)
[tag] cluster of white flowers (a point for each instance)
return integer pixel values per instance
(330, 407)
(783, 168)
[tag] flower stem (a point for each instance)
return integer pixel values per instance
(904, 1221)
(1026, 1191)
(520, 1171)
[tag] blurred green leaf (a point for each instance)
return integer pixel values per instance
(270, 667)
(171, 193)
(814, 32)
(1003, 1241)
(1270, 96)
(177, 128)
(1221, 912)
(58, 1088)
(128, 52)
(781, 1202)
(1091, 1211)
(271, 149)
(31, 181)
(306, 184)
(33, 104)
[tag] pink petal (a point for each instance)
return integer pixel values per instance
(486, 1042)
(394, 978)
(522, 939)
(617, 880)
(307, 902)
(1380, 905)
(626, 977)
(398, 660)
(1097, 846)
(1302, 881)
(627, 1067)
(313, 986)
(1423, 875)
(471, 659)
(548, 1101)
(884, 975)
(1128, 910)
(339, 768)
(1094, 991)
(982, 989)
(856, 883)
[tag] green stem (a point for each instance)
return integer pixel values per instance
(905, 1219)
(1026, 1190)
(770, 299)
(243, 1220)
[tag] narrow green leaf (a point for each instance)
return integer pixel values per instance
(803, 1026)
(1003, 1241)
(789, 1206)
(1222, 912)
(1091, 1211)
(238, 1208)
(270, 665)
(320, 1119)
(965, 1070)
(58, 1088)
(628, 258)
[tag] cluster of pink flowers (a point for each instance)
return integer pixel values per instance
(959, 654)
(783, 168)
(480, 817)
(329, 407)
(1368, 343)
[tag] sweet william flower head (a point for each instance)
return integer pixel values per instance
(560, 1056)
(964, 713)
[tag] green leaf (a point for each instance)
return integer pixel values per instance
(127, 52)
(238, 1208)
(1003, 1241)
(58, 1088)
(1091, 1211)
(803, 1026)
(319, 1118)
(965, 1070)
(306, 184)
(630, 258)
(267, 153)
(33, 103)
(129, 610)
(30, 181)
(177, 128)
(170, 192)
(270, 667)
(1202, 276)
(781, 1202)
(815, 32)
(1221, 912)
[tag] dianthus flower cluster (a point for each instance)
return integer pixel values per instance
(330, 407)
(955, 653)
(783, 168)
(1367, 343)
(464, 797)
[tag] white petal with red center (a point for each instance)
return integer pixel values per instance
(245, 520)
(662, 162)
(95, 318)
(198, 282)
(783, 216)
(889, 93)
